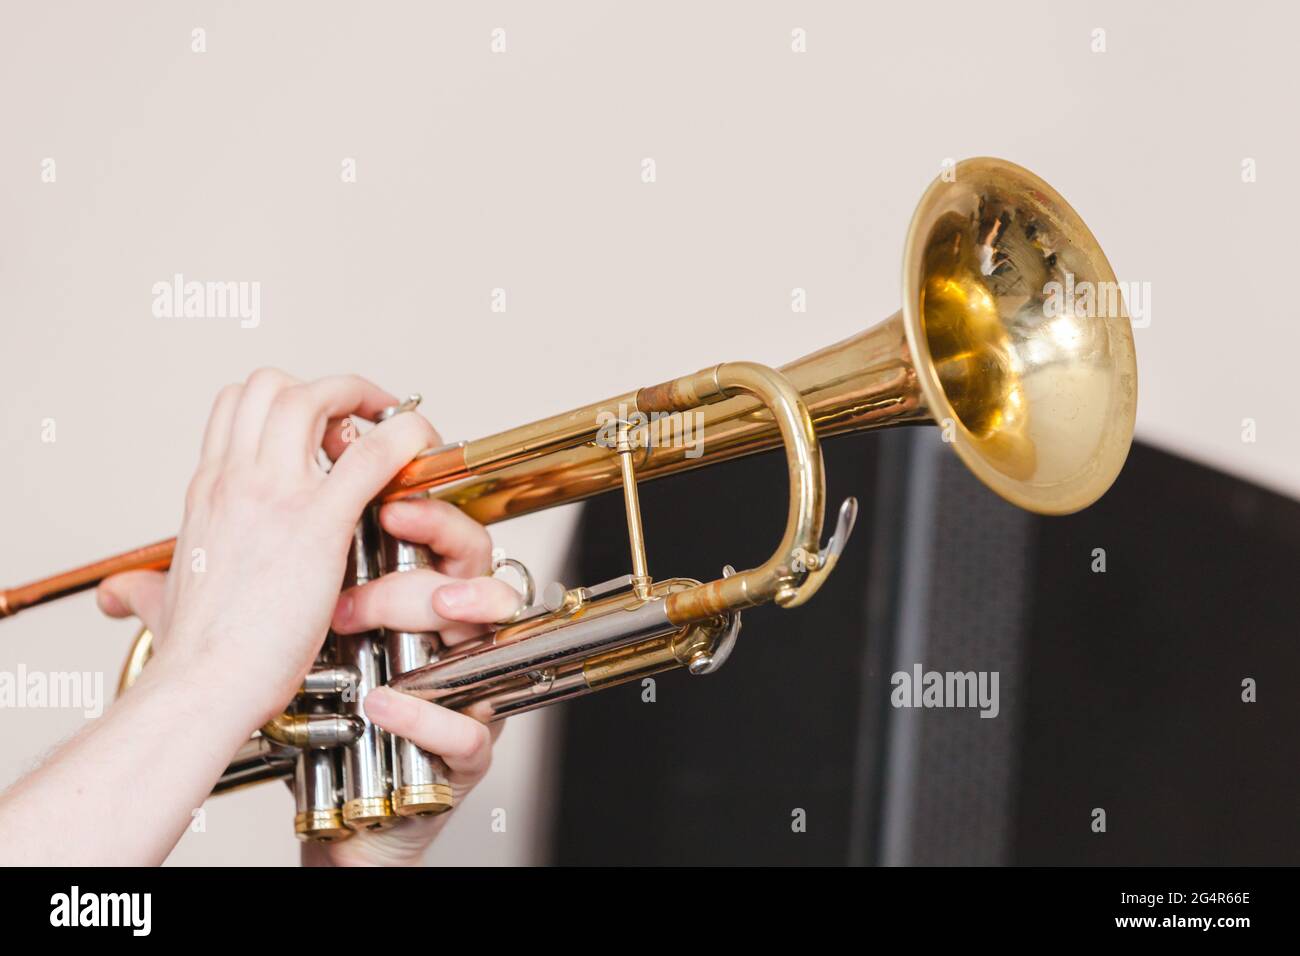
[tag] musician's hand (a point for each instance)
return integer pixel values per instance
(238, 620)
(457, 600)
(264, 540)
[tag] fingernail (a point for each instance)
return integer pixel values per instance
(455, 595)
(399, 507)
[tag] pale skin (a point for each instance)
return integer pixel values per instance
(234, 640)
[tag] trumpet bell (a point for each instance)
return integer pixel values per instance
(1020, 336)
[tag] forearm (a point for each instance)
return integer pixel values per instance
(123, 791)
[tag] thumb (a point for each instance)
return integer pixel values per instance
(134, 594)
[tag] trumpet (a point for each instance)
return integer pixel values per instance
(1037, 400)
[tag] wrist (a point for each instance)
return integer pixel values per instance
(208, 691)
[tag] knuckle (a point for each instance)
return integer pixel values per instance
(481, 544)
(295, 400)
(220, 493)
(197, 491)
(266, 377)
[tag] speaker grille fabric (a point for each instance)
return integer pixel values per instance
(951, 773)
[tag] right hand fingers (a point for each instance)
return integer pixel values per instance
(462, 545)
(464, 744)
(423, 600)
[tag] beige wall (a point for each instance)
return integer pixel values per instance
(522, 170)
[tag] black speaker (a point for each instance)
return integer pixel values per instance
(1107, 687)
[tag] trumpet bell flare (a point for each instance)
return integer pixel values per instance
(1021, 340)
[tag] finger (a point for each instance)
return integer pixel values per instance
(462, 545)
(487, 601)
(408, 602)
(134, 594)
(464, 744)
(216, 437)
(400, 602)
(297, 418)
(368, 463)
(250, 414)
(476, 601)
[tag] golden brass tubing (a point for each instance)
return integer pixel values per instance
(777, 578)
(545, 436)
(141, 651)
(632, 507)
(313, 730)
(866, 381)
(649, 657)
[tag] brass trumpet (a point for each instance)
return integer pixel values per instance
(1036, 399)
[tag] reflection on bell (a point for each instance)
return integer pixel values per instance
(1041, 402)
